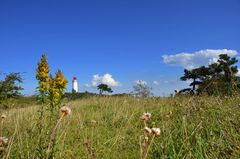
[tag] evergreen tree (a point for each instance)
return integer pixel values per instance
(226, 65)
(196, 75)
(217, 79)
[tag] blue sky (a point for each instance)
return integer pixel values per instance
(123, 38)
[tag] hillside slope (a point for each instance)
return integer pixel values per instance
(111, 127)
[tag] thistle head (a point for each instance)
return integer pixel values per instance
(65, 110)
(147, 130)
(3, 116)
(146, 116)
(156, 131)
(3, 141)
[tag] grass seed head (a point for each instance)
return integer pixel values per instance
(93, 122)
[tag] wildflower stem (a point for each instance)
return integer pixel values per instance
(53, 137)
(148, 148)
(140, 144)
(1, 128)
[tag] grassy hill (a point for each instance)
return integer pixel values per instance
(111, 128)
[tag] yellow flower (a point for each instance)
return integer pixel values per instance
(43, 74)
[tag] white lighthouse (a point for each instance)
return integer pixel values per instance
(74, 84)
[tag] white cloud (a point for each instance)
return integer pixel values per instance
(142, 82)
(156, 82)
(238, 73)
(196, 59)
(87, 85)
(105, 79)
(188, 82)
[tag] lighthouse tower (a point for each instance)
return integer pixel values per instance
(74, 84)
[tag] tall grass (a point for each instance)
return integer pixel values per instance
(110, 127)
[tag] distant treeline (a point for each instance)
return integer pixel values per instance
(78, 95)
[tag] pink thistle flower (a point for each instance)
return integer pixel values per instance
(156, 131)
(66, 110)
(147, 130)
(146, 116)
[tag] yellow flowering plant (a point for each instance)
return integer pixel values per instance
(51, 90)
(42, 76)
(57, 85)
(50, 87)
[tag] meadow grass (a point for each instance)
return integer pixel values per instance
(110, 128)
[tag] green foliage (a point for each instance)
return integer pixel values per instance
(104, 88)
(19, 102)
(216, 79)
(79, 95)
(85, 95)
(9, 87)
(197, 75)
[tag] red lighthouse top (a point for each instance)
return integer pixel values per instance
(74, 78)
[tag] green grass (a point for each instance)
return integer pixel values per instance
(18, 102)
(199, 127)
